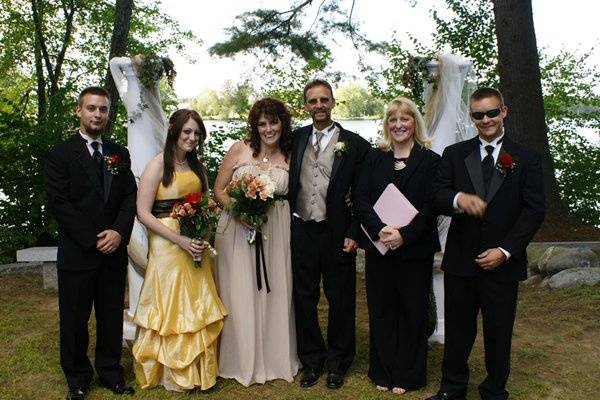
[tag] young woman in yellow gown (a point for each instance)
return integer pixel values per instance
(179, 314)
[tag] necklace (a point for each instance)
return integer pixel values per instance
(399, 164)
(181, 162)
(265, 158)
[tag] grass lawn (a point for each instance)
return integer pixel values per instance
(556, 349)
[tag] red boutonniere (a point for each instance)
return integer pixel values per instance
(505, 164)
(113, 163)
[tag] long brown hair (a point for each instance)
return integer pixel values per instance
(270, 108)
(194, 157)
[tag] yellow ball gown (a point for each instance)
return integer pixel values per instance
(179, 314)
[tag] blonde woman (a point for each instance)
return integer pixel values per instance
(398, 282)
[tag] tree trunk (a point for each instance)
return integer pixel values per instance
(118, 47)
(42, 102)
(520, 83)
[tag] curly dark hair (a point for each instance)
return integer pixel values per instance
(270, 108)
(194, 157)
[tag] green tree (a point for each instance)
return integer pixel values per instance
(231, 101)
(49, 50)
(355, 101)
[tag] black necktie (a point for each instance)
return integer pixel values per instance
(487, 166)
(97, 156)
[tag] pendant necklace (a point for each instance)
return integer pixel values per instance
(265, 158)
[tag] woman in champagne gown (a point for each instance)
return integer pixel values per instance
(259, 340)
(179, 314)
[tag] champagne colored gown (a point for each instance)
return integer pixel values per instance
(179, 314)
(258, 343)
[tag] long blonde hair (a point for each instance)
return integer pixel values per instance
(405, 106)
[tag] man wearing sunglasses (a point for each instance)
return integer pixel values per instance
(492, 188)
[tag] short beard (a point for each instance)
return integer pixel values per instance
(93, 131)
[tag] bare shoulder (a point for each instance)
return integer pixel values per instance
(238, 148)
(239, 152)
(155, 166)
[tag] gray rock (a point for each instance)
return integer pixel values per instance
(534, 280)
(545, 282)
(19, 267)
(50, 276)
(556, 259)
(534, 253)
(575, 277)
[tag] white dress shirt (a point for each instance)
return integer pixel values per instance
(89, 140)
(327, 135)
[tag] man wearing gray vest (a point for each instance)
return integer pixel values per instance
(324, 168)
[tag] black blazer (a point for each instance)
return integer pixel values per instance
(514, 212)
(344, 175)
(81, 209)
(420, 235)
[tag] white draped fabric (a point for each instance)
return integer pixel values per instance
(146, 134)
(448, 122)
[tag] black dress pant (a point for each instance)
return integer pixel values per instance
(316, 254)
(104, 288)
(463, 298)
(398, 297)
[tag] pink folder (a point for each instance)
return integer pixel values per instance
(394, 209)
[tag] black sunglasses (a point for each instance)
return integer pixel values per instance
(490, 113)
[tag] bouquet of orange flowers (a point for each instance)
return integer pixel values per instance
(251, 196)
(198, 216)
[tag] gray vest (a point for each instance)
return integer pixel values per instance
(314, 180)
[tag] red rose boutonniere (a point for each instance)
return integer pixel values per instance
(505, 164)
(113, 163)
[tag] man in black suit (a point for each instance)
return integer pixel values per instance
(324, 168)
(493, 189)
(91, 192)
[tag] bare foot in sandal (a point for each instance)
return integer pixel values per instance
(398, 390)
(382, 388)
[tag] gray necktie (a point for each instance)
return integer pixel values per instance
(317, 145)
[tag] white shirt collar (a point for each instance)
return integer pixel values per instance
(89, 139)
(493, 142)
(326, 132)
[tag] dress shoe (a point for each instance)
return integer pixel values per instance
(335, 381)
(447, 396)
(120, 388)
(76, 394)
(310, 377)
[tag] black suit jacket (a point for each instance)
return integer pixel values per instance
(82, 209)
(420, 235)
(344, 175)
(514, 212)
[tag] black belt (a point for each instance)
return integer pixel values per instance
(163, 208)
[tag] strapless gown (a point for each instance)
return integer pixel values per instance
(179, 314)
(258, 343)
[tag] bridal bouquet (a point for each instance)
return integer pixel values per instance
(198, 216)
(251, 197)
